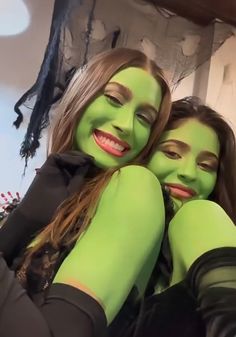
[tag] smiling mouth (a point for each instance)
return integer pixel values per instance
(181, 192)
(110, 144)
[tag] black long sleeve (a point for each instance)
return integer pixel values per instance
(67, 311)
(71, 312)
(60, 176)
(18, 314)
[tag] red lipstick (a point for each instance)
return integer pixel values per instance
(110, 143)
(181, 192)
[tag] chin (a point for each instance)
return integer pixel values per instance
(106, 164)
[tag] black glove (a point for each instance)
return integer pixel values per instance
(59, 177)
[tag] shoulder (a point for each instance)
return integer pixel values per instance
(135, 174)
(133, 196)
(134, 182)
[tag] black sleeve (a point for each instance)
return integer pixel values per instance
(18, 314)
(71, 312)
(67, 311)
(60, 176)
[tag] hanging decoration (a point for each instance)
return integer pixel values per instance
(80, 29)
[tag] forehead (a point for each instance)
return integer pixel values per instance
(136, 80)
(197, 135)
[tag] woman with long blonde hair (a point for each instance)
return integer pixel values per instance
(96, 231)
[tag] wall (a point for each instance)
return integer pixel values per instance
(20, 59)
(221, 91)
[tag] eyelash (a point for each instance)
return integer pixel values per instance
(207, 167)
(113, 100)
(171, 154)
(145, 117)
(204, 166)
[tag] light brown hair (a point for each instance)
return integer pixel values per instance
(89, 82)
(84, 87)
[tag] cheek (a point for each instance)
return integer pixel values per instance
(161, 166)
(87, 123)
(141, 136)
(93, 113)
(83, 133)
(208, 185)
(87, 119)
(163, 170)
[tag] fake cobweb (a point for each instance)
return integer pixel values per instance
(81, 29)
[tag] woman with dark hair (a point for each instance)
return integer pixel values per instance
(86, 206)
(195, 277)
(224, 192)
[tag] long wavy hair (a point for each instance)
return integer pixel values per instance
(84, 87)
(224, 192)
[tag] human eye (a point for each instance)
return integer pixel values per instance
(209, 167)
(172, 154)
(113, 99)
(146, 117)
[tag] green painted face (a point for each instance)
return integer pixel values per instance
(187, 161)
(116, 126)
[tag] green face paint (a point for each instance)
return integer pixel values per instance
(186, 161)
(116, 126)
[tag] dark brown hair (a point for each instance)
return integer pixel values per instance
(224, 192)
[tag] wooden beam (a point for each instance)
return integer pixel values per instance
(201, 11)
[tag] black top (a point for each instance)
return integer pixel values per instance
(59, 177)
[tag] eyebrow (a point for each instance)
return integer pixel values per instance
(186, 147)
(209, 154)
(127, 93)
(181, 144)
(123, 90)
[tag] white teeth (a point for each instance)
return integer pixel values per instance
(111, 143)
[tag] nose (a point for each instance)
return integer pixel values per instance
(188, 170)
(124, 122)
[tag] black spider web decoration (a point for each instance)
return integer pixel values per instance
(81, 29)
